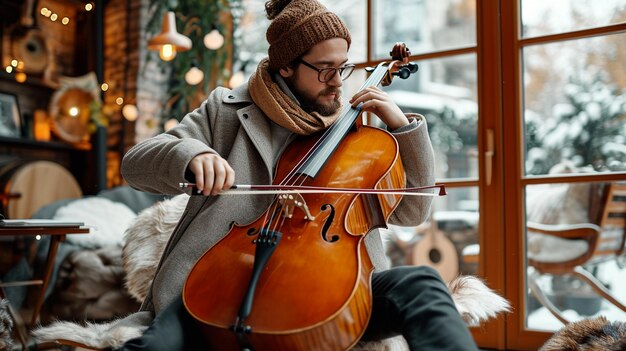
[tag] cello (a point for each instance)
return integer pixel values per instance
(299, 276)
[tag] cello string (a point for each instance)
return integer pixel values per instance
(329, 136)
(294, 171)
(335, 138)
(293, 175)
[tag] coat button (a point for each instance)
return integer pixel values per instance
(231, 97)
(245, 115)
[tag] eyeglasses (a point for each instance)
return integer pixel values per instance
(325, 75)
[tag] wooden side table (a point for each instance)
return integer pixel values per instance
(57, 235)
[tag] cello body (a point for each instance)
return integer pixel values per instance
(313, 292)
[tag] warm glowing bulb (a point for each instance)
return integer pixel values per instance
(73, 111)
(104, 87)
(119, 101)
(9, 69)
(194, 76)
(167, 52)
(171, 123)
(43, 11)
(54, 17)
(20, 77)
(14, 63)
(65, 20)
(130, 112)
(88, 7)
(48, 13)
(20, 65)
(213, 40)
(236, 80)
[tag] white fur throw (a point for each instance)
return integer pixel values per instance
(106, 220)
(145, 241)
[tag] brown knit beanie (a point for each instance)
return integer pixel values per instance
(298, 25)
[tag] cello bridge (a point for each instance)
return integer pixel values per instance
(290, 201)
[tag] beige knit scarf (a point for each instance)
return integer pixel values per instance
(281, 108)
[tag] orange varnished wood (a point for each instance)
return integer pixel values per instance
(337, 333)
(313, 294)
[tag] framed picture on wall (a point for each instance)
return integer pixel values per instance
(10, 118)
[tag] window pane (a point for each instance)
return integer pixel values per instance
(352, 85)
(450, 246)
(574, 227)
(424, 25)
(354, 14)
(575, 103)
(540, 17)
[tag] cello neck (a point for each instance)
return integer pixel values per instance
(335, 134)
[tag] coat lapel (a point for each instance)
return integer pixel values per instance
(255, 123)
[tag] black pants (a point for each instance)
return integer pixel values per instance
(412, 301)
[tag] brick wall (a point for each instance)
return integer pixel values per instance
(132, 76)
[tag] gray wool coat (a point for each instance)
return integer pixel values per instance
(228, 123)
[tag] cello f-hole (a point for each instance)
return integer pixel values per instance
(327, 224)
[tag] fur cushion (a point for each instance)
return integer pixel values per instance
(145, 241)
(597, 334)
(90, 284)
(106, 220)
(6, 326)
(95, 335)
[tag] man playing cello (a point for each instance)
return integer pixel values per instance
(236, 137)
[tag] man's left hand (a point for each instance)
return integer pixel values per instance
(378, 102)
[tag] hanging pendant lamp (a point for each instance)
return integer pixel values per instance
(169, 41)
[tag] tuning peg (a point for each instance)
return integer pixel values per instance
(413, 67)
(403, 72)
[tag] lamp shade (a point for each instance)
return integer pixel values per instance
(169, 37)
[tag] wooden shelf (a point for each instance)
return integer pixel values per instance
(32, 82)
(58, 145)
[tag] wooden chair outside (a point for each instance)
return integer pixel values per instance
(601, 242)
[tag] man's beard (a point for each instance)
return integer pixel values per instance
(310, 104)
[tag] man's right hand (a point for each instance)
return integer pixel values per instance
(213, 173)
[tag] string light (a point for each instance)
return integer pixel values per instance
(53, 16)
(14, 63)
(171, 123)
(130, 112)
(20, 77)
(73, 111)
(104, 87)
(9, 69)
(236, 80)
(88, 7)
(213, 40)
(194, 76)
(119, 101)
(239, 77)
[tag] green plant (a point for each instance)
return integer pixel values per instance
(588, 128)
